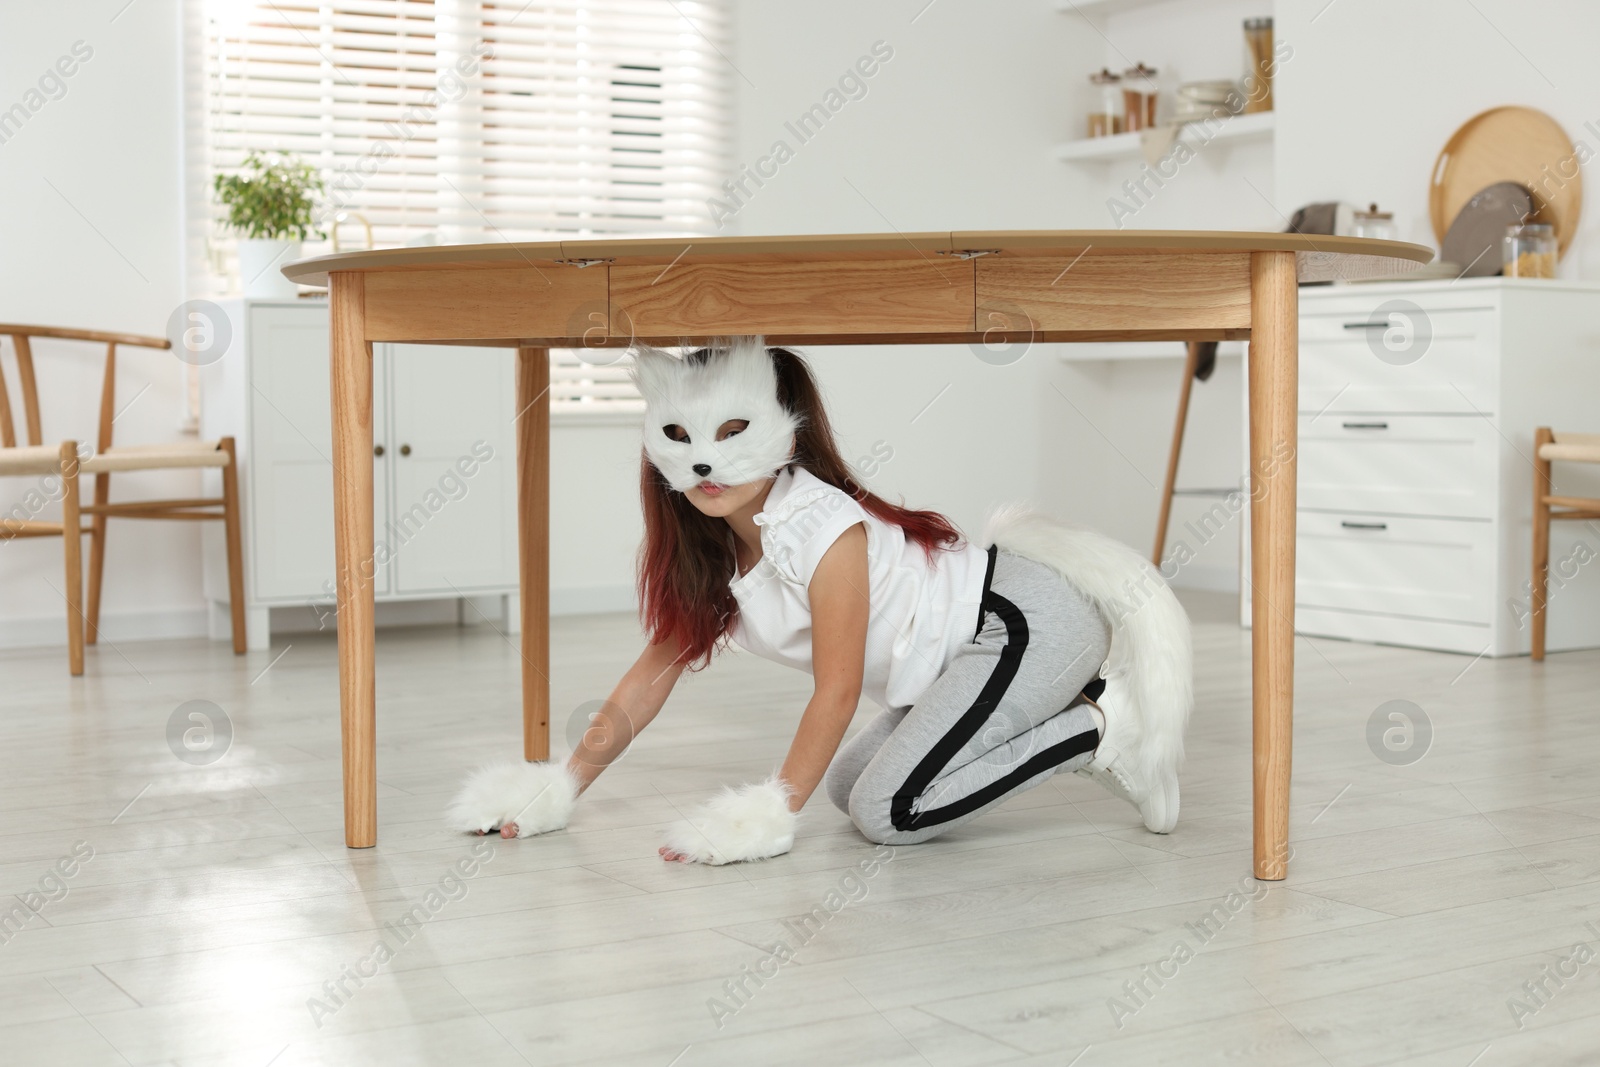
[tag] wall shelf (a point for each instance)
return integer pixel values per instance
(1101, 7)
(1123, 146)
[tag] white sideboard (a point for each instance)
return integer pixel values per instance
(444, 489)
(1418, 404)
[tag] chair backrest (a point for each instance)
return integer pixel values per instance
(21, 338)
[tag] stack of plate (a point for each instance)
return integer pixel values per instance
(1203, 100)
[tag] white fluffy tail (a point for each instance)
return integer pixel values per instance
(1150, 641)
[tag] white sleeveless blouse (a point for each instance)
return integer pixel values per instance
(921, 610)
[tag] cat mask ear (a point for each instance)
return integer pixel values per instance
(690, 400)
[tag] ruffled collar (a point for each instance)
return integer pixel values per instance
(793, 490)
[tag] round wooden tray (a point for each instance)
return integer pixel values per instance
(1509, 144)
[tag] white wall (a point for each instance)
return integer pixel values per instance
(958, 131)
(91, 233)
(948, 136)
(1443, 62)
(596, 524)
(1226, 185)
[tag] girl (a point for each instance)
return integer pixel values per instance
(1053, 649)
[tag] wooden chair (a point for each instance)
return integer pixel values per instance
(1547, 447)
(65, 462)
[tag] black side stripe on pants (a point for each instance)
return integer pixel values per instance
(900, 814)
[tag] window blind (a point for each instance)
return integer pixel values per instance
(592, 383)
(447, 121)
(460, 120)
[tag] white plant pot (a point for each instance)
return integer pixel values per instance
(261, 264)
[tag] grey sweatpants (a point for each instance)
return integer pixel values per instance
(1003, 717)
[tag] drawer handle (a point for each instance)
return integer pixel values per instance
(1348, 525)
(1382, 325)
(1366, 425)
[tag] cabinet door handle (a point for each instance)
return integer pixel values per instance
(1366, 425)
(405, 450)
(1348, 525)
(1382, 324)
(377, 450)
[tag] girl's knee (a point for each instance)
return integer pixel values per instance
(871, 819)
(879, 834)
(874, 822)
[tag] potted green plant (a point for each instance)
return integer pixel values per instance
(270, 203)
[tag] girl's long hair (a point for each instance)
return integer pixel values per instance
(687, 556)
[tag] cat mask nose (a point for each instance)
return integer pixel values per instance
(702, 469)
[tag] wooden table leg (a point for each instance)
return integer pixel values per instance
(351, 359)
(1274, 396)
(533, 539)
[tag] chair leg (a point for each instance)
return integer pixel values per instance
(230, 523)
(1189, 366)
(72, 542)
(1539, 590)
(97, 555)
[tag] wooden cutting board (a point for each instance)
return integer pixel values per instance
(1509, 144)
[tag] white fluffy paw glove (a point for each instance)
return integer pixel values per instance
(751, 822)
(534, 797)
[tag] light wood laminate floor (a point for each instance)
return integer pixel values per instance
(219, 919)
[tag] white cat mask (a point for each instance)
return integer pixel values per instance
(734, 381)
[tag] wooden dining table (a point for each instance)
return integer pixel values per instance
(966, 287)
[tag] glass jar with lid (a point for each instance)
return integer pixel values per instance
(1374, 223)
(1528, 250)
(1260, 64)
(1138, 98)
(1105, 110)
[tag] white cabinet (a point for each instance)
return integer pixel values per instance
(1418, 404)
(289, 502)
(444, 480)
(454, 525)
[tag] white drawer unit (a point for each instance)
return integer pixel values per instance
(1357, 565)
(1418, 404)
(1398, 464)
(444, 485)
(1356, 359)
